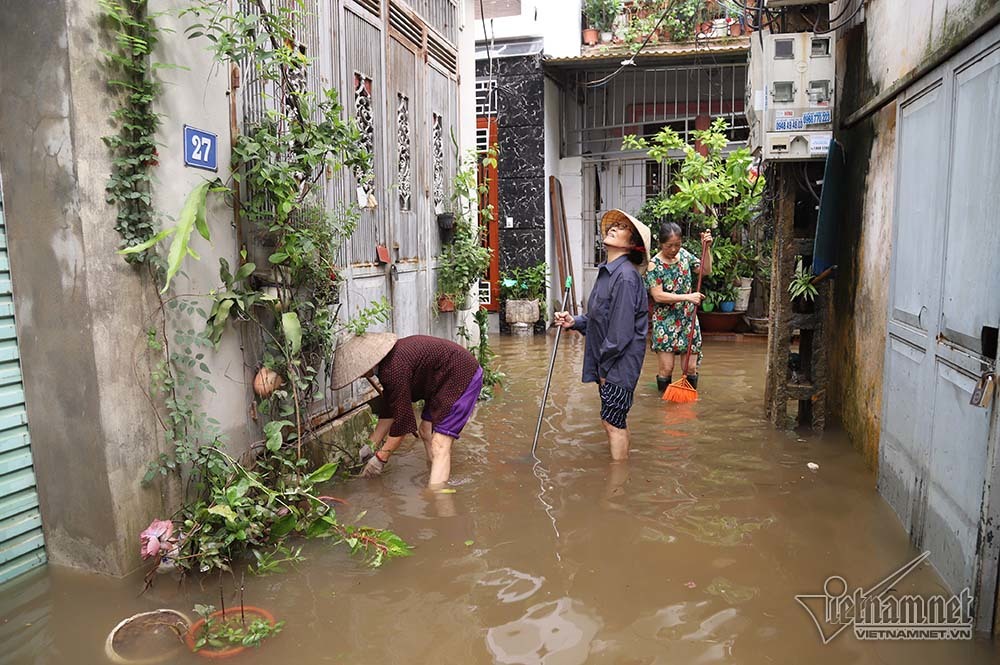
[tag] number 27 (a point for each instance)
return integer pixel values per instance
(202, 148)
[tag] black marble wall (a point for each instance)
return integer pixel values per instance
(521, 162)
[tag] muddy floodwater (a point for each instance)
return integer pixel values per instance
(692, 552)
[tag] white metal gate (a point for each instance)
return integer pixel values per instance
(938, 454)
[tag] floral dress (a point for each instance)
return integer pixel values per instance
(671, 324)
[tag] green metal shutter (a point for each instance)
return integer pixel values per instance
(21, 545)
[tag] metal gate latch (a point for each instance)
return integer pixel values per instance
(982, 394)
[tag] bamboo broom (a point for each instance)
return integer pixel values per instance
(682, 391)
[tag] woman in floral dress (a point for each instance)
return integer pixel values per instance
(670, 280)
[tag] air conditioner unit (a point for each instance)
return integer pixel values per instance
(790, 95)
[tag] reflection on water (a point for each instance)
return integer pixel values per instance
(553, 633)
(691, 552)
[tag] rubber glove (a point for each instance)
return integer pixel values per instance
(374, 467)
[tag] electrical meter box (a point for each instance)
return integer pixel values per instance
(790, 95)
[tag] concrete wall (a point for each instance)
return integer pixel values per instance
(895, 37)
(82, 311)
(78, 305)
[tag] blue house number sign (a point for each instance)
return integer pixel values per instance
(200, 149)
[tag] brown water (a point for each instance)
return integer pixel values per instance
(692, 552)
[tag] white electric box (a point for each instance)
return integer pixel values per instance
(790, 95)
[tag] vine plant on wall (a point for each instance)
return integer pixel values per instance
(243, 509)
(130, 70)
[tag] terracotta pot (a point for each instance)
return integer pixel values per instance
(590, 36)
(251, 613)
(266, 382)
(446, 304)
(719, 322)
(735, 29)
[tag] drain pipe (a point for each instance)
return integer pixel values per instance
(978, 28)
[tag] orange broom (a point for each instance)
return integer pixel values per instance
(681, 390)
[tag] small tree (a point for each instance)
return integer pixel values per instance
(713, 189)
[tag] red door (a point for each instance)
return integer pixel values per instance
(486, 126)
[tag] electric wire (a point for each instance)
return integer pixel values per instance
(832, 28)
(630, 61)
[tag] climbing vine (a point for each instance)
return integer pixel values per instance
(130, 76)
(245, 508)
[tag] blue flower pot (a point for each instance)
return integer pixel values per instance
(727, 306)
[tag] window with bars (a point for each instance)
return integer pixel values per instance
(486, 97)
(437, 153)
(363, 115)
(403, 179)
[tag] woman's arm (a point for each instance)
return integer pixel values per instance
(666, 298)
(706, 259)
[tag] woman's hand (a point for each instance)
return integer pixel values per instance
(706, 237)
(564, 319)
(695, 297)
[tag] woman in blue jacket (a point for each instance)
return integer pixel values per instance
(615, 324)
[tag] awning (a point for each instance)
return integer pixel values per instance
(613, 55)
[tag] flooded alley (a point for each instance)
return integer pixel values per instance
(692, 552)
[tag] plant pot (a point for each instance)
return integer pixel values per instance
(152, 633)
(606, 37)
(590, 36)
(758, 326)
(746, 282)
(446, 220)
(743, 298)
(522, 311)
(735, 29)
(719, 322)
(251, 613)
(446, 304)
(727, 306)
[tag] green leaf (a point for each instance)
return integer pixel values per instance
(284, 525)
(192, 214)
(320, 526)
(292, 329)
(272, 431)
(468, 543)
(245, 271)
(224, 511)
(135, 249)
(322, 474)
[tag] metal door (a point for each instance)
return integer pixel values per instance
(937, 452)
(407, 206)
(439, 110)
(21, 543)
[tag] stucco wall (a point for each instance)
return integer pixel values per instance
(82, 311)
(895, 37)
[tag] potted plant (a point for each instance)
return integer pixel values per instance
(464, 261)
(601, 15)
(227, 632)
(522, 289)
(802, 290)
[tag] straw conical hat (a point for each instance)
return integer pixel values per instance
(356, 356)
(614, 216)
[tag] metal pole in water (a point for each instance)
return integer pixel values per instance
(552, 364)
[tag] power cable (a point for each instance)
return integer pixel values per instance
(831, 28)
(630, 61)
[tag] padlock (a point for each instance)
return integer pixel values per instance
(982, 394)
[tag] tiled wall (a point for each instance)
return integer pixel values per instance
(521, 162)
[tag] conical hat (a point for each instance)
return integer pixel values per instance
(357, 355)
(614, 216)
